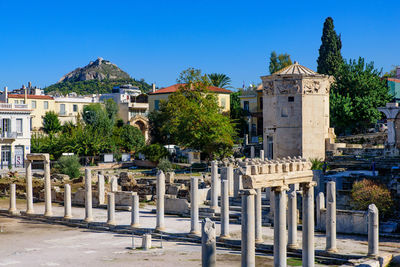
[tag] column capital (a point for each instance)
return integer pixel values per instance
(308, 185)
(280, 188)
(247, 192)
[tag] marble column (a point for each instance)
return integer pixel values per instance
(208, 244)
(100, 189)
(111, 209)
(248, 228)
(373, 231)
(331, 217)
(308, 253)
(280, 240)
(135, 211)
(262, 156)
(258, 216)
(237, 183)
(252, 152)
(229, 177)
(224, 209)
(214, 185)
(29, 189)
(114, 184)
(194, 206)
(292, 218)
(67, 202)
(320, 205)
(160, 200)
(13, 200)
(47, 189)
(88, 196)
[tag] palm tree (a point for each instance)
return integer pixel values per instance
(220, 80)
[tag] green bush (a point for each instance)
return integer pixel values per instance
(69, 165)
(154, 152)
(368, 192)
(165, 165)
(317, 164)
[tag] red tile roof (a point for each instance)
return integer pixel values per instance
(175, 87)
(30, 96)
(394, 80)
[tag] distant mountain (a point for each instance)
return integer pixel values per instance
(97, 77)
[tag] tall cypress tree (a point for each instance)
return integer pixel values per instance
(330, 57)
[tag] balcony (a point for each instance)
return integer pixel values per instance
(10, 135)
(13, 106)
(135, 105)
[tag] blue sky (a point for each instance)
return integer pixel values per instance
(40, 41)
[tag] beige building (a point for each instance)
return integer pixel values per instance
(68, 107)
(296, 113)
(39, 104)
(157, 96)
(251, 101)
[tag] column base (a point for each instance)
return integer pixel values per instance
(224, 236)
(259, 241)
(30, 212)
(67, 217)
(48, 214)
(88, 220)
(293, 246)
(13, 212)
(160, 229)
(135, 225)
(332, 250)
(194, 233)
(112, 223)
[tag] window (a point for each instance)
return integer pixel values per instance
(5, 156)
(246, 106)
(6, 126)
(284, 112)
(19, 125)
(15, 101)
(46, 104)
(291, 99)
(261, 103)
(33, 103)
(30, 124)
(75, 108)
(156, 104)
(223, 103)
(62, 109)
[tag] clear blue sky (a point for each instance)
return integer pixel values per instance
(40, 41)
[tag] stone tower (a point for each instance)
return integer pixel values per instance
(296, 113)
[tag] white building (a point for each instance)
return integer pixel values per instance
(15, 135)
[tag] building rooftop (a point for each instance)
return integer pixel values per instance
(175, 87)
(295, 68)
(22, 96)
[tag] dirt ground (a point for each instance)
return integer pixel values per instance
(30, 243)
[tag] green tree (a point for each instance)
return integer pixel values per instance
(220, 80)
(330, 58)
(237, 114)
(111, 109)
(194, 119)
(69, 165)
(97, 117)
(132, 138)
(391, 73)
(356, 94)
(51, 123)
(154, 152)
(277, 63)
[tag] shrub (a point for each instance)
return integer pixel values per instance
(368, 192)
(69, 165)
(154, 152)
(317, 164)
(165, 165)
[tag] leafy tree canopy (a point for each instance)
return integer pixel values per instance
(51, 123)
(97, 117)
(330, 58)
(277, 63)
(192, 117)
(355, 96)
(220, 80)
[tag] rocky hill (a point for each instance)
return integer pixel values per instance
(98, 77)
(98, 70)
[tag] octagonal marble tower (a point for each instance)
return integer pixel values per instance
(296, 113)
